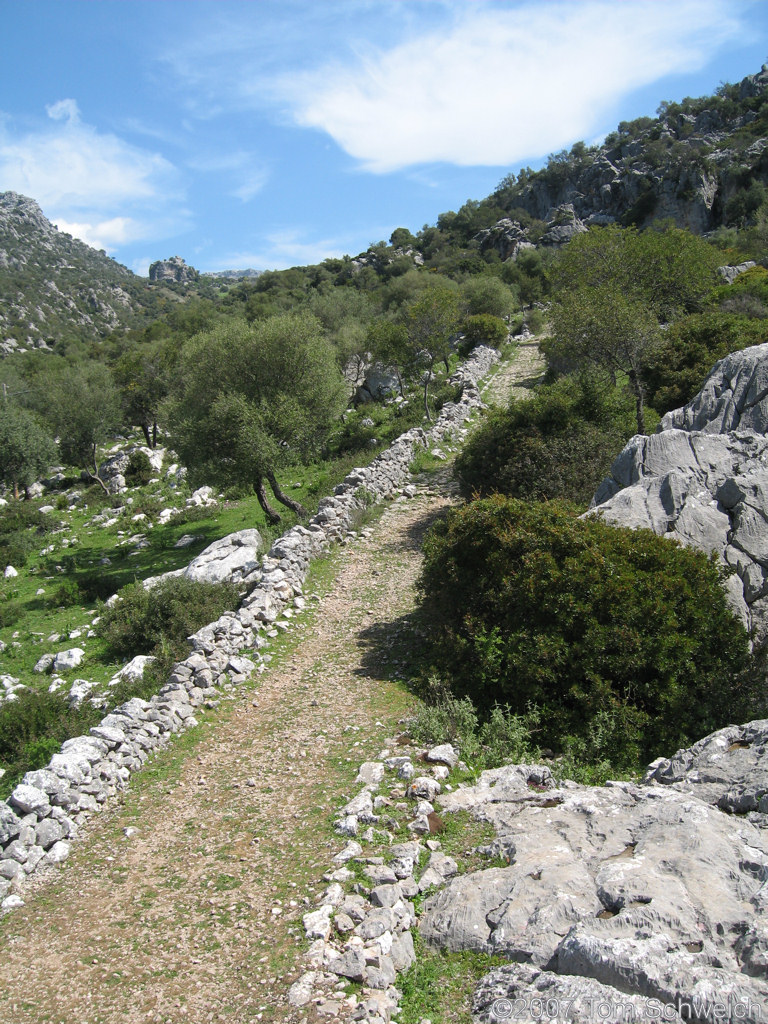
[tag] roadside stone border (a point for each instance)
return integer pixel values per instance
(43, 813)
(364, 934)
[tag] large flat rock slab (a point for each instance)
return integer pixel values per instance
(648, 889)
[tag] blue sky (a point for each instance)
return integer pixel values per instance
(273, 133)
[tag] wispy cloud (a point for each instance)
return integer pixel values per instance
(246, 174)
(95, 185)
(501, 84)
(290, 247)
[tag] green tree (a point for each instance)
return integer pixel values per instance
(387, 342)
(487, 294)
(252, 399)
(26, 449)
(430, 321)
(615, 286)
(82, 406)
(607, 329)
(142, 376)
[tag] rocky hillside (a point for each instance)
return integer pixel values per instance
(703, 163)
(54, 288)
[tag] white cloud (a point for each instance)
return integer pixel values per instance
(106, 234)
(504, 83)
(283, 249)
(73, 164)
(95, 185)
(64, 110)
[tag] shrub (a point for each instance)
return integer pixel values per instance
(33, 727)
(502, 737)
(68, 594)
(139, 471)
(531, 606)
(167, 614)
(676, 371)
(483, 329)
(558, 444)
(15, 548)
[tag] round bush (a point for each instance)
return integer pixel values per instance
(588, 623)
(164, 616)
(558, 444)
(139, 471)
(484, 329)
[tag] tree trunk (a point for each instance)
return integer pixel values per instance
(16, 490)
(145, 432)
(637, 387)
(95, 474)
(261, 493)
(283, 498)
(427, 380)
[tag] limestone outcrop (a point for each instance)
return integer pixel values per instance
(703, 479)
(633, 895)
(174, 269)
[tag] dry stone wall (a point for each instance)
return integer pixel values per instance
(42, 815)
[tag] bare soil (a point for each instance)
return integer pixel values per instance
(183, 901)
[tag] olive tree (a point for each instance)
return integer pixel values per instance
(251, 399)
(82, 405)
(430, 321)
(26, 449)
(615, 287)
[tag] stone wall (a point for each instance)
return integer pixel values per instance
(44, 811)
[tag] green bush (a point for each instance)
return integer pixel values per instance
(483, 329)
(675, 372)
(529, 605)
(558, 444)
(501, 738)
(68, 594)
(15, 548)
(139, 471)
(33, 727)
(164, 616)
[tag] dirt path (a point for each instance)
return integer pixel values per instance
(184, 902)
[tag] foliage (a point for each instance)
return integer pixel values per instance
(669, 270)
(139, 471)
(21, 527)
(501, 738)
(26, 449)
(676, 370)
(144, 620)
(33, 727)
(82, 407)
(252, 399)
(559, 443)
(531, 606)
(616, 285)
(431, 320)
(487, 295)
(482, 328)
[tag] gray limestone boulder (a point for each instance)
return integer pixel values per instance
(229, 558)
(703, 479)
(649, 890)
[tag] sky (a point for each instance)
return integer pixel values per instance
(277, 133)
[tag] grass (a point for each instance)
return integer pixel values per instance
(439, 985)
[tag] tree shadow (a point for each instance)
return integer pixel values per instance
(396, 648)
